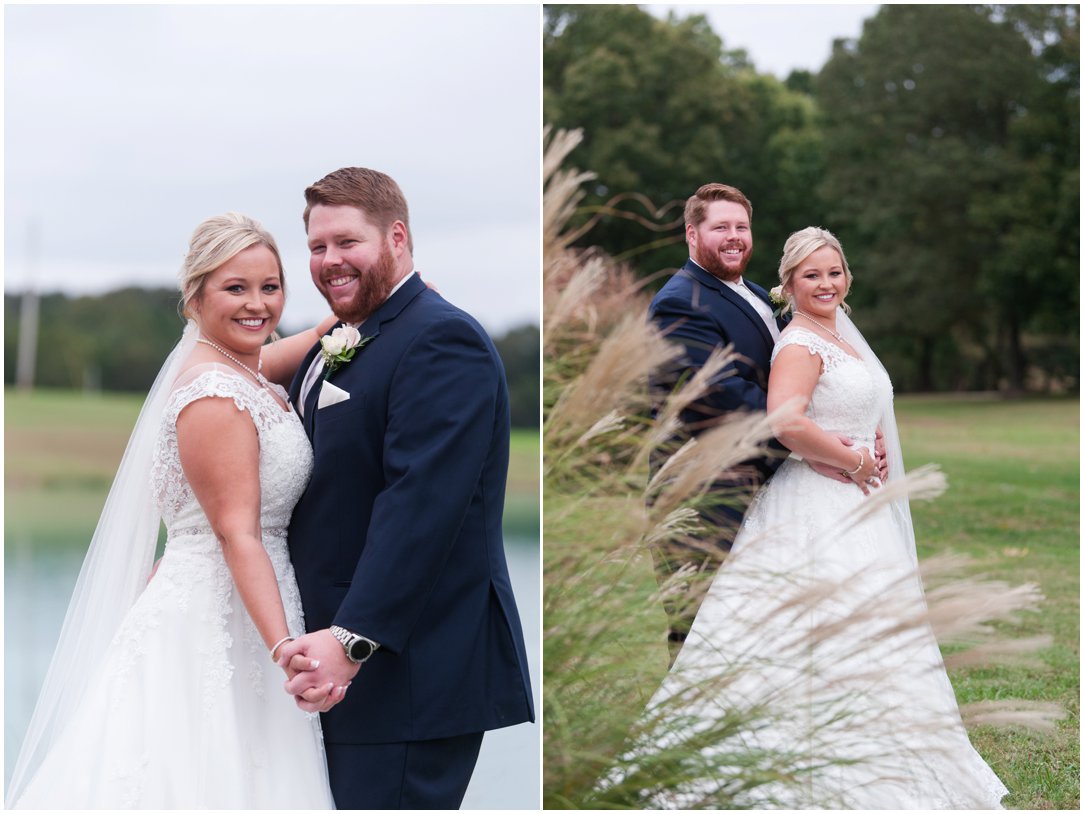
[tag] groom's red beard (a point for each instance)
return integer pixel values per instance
(710, 262)
(374, 285)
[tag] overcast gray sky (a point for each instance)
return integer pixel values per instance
(125, 126)
(779, 38)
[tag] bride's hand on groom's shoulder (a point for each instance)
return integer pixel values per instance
(318, 671)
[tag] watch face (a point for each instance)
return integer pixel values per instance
(360, 650)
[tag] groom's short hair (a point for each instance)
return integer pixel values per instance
(696, 207)
(374, 193)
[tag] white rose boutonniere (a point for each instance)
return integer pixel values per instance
(779, 300)
(339, 347)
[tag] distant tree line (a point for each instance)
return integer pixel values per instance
(118, 341)
(941, 146)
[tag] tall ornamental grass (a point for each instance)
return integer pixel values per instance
(604, 651)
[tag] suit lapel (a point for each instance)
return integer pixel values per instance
(306, 410)
(303, 369)
(733, 297)
(310, 406)
(392, 307)
(760, 293)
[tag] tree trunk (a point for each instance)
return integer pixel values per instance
(1017, 363)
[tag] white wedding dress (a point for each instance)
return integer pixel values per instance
(185, 709)
(819, 617)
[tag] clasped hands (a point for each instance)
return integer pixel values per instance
(318, 673)
(880, 472)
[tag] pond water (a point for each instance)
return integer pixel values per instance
(38, 583)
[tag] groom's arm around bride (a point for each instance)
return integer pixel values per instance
(398, 536)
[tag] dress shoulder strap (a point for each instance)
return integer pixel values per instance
(213, 380)
(831, 354)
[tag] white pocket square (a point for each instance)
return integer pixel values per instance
(330, 394)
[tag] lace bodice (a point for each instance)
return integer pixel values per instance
(851, 394)
(285, 453)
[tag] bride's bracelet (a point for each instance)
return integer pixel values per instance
(861, 460)
(279, 644)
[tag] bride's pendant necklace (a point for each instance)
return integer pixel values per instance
(256, 374)
(819, 324)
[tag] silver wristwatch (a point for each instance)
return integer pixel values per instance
(358, 648)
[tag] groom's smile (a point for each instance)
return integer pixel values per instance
(340, 286)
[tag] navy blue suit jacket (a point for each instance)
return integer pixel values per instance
(701, 313)
(398, 535)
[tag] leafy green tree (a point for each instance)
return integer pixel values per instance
(927, 118)
(519, 350)
(113, 341)
(665, 108)
(1032, 281)
(118, 341)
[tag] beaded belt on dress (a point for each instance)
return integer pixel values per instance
(267, 531)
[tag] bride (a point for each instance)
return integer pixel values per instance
(817, 615)
(165, 694)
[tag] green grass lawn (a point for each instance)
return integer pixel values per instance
(55, 438)
(1013, 504)
(62, 450)
(522, 501)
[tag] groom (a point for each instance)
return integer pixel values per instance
(396, 542)
(708, 304)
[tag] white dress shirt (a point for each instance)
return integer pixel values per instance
(761, 307)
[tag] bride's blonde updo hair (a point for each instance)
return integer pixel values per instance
(216, 241)
(798, 247)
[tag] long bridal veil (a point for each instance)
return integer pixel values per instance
(901, 506)
(114, 573)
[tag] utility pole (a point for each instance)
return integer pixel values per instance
(28, 313)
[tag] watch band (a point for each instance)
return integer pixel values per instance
(349, 639)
